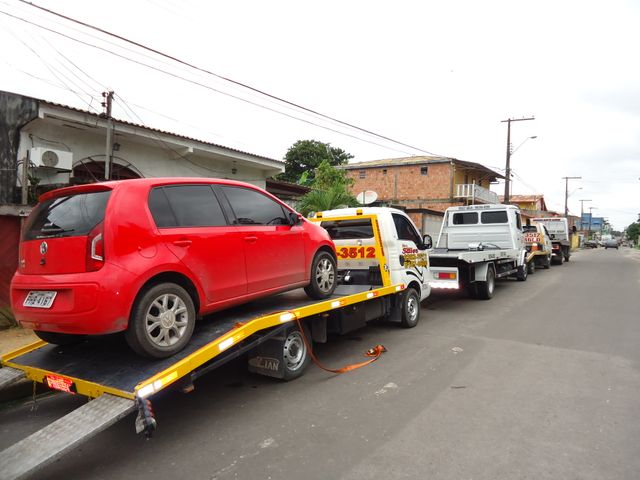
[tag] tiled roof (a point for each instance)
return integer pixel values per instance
(418, 160)
(155, 130)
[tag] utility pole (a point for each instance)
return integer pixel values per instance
(590, 217)
(582, 212)
(566, 194)
(108, 100)
(508, 167)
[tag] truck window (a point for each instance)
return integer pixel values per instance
(465, 218)
(405, 229)
(495, 217)
(346, 229)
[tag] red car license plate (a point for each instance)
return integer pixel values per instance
(40, 298)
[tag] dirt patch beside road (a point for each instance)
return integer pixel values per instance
(14, 338)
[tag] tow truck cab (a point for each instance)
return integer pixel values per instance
(405, 250)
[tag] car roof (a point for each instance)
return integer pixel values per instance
(142, 183)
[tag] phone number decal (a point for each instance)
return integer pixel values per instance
(356, 252)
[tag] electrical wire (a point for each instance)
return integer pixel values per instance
(227, 79)
(55, 72)
(206, 86)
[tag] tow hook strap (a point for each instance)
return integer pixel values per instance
(374, 353)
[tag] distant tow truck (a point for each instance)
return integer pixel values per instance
(538, 244)
(383, 264)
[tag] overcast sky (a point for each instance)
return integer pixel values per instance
(438, 76)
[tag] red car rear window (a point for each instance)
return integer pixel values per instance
(67, 216)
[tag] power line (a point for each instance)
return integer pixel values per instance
(227, 79)
(208, 87)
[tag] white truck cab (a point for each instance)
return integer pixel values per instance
(405, 250)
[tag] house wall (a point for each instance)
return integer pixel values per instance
(9, 241)
(152, 159)
(16, 110)
(405, 183)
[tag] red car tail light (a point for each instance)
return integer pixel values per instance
(95, 248)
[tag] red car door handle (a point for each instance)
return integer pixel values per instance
(182, 243)
(251, 239)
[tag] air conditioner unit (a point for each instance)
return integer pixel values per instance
(59, 160)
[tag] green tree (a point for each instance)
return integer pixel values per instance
(330, 189)
(305, 156)
(633, 232)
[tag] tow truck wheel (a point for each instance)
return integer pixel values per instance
(486, 288)
(547, 262)
(295, 354)
(410, 308)
(523, 271)
(59, 338)
(531, 267)
(323, 276)
(162, 321)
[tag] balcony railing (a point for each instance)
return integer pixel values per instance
(476, 193)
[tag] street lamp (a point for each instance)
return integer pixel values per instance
(523, 142)
(582, 212)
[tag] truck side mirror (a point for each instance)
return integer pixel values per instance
(427, 242)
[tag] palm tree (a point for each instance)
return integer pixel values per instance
(317, 200)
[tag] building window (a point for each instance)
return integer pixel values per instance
(362, 174)
(423, 170)
(384, 171)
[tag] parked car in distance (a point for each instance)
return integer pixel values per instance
(147, 256)
(611, 243)
(590, 244)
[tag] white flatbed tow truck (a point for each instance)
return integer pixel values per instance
(118, 382)
(478, 244)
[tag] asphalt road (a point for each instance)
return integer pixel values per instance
(541, 382)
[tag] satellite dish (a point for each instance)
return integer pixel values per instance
(367, 197)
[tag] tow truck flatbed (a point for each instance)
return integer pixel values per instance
(105, 364)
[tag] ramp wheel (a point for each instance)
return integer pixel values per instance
(295, 353)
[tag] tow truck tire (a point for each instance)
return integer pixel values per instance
(547, 262)
(531, 267)
(486, 288)
(567, 255)
(162, 321)
(59, 338)
(410, 308)
(295, 353)
(523, 272)
(323, 276)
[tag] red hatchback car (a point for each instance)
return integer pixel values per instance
(146, 256)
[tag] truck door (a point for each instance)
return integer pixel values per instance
(413, 260)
